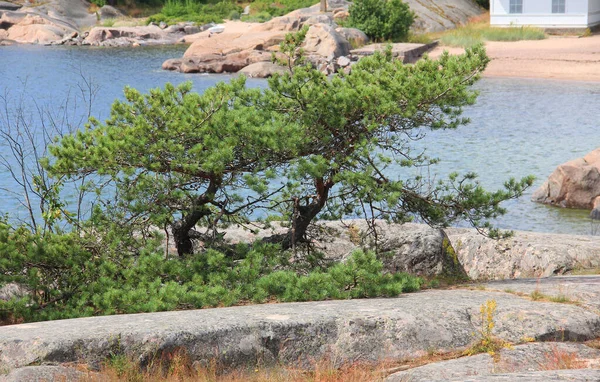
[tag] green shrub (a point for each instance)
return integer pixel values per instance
(381, 19)
(70, 276)
(99, 3)
(108, 23)
(200, 13)
(483, 3)
(470, 36)
(279, 8)
(514, 34)
(257, 18)
(234, 15)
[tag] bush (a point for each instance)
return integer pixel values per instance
(381, 19)
(234, 15)
(483, 3)
(257, 17)
(260, 17)
(68, 276)
(188, 10)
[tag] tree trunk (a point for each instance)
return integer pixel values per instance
(323, 6)
(305, 214)
(181, 229)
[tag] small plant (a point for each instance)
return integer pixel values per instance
(419, 38)
(354, 234)
(260, 17)
(561, 298)
(234, 15)
(488, 343)
(483, 3)
(594, 343)
(99, 3)
(557, 359)
(536, 295)
(108, 23)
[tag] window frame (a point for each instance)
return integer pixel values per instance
(515, 7)
(559, 6)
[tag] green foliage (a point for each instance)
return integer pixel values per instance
(203, 12)
(175, 156)
(178, 159)
(99, 3)
(108, 23)
(361, 125)
(309, 146)
(195, 11)
(260, 17)
(67, 277)
(234, 15)
(278, 8)
(483, 3)
(381, 20)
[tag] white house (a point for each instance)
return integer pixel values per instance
(545, 13)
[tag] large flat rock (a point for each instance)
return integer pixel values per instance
(395, 328)
(407, 52)
(537, 376)
(48, 374)
(525, 254)
(439, 15)
(583, 290)
(521, 359)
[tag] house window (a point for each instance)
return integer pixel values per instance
(516, 6)
(558, 6)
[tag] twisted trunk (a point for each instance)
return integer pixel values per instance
(183, 228)
(305, 214)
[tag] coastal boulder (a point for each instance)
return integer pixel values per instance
(27, 28)
(263, 69)
(412, 248)
(100, 35)
(524, 254)
(6, 6)
(109, 12)
(439, 15)
(13, 290)
(355, 37)
(420, 250)
(323, 40)
(575, 184)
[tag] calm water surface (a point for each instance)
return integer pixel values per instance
(518, 127)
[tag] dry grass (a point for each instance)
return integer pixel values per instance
(177, 367)
(585, 271)
(478, 30)
(557, 359)
(594, 343)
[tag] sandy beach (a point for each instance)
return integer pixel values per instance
(563, 58)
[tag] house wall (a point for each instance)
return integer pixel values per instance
(539, 13)
(593, 12)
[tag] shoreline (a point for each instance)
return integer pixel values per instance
(555, 58)
(573, 59)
